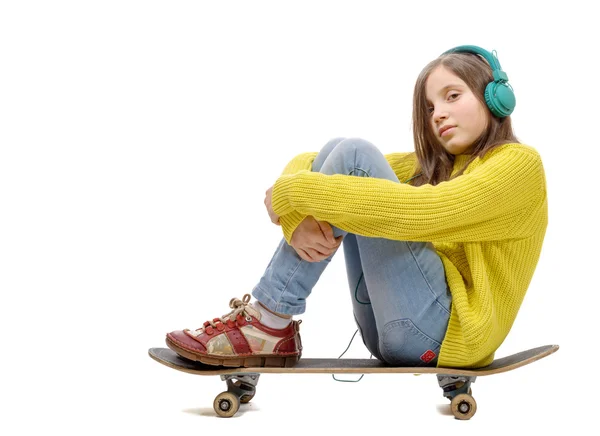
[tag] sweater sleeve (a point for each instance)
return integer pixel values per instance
(401, 163)
(290, 221)
(483, 204)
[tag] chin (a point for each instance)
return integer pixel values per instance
(454, 150)
(457, 149)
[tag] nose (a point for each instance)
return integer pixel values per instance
(439, 115)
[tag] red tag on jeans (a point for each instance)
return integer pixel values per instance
(428, 356)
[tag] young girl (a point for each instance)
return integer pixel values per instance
(440, 244)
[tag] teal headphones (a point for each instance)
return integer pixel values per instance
(499, 95)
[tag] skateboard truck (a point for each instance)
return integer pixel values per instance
(241, 388)
(454, 385)
(458, 390)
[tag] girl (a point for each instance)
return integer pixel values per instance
(440, 244)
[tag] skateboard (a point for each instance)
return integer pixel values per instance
(455, 382)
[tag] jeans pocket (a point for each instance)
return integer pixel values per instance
(403, 344)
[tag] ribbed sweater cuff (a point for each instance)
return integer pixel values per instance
(289, 223)
(281, 194)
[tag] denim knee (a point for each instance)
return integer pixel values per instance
(333, 142)
(324, 152)
(403, 344)
(356, 144)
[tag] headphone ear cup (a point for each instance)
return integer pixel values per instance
(500, 98)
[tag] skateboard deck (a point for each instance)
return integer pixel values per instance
(241, 382)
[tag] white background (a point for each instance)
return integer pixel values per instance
(137, 141)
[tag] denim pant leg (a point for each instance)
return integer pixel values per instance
(399, 293)
(403, 283)
(288, 279)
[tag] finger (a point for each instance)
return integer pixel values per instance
(338, 242)
(315, 255)
(324, 250)
(327, 231)
(303, 255)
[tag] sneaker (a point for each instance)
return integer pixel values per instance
(239, 339)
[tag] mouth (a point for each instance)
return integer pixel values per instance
(446, 130)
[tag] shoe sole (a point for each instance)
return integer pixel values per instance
(271, 361)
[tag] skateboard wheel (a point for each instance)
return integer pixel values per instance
(226, 404)
(463, 406)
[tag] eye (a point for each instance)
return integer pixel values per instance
(430, 108)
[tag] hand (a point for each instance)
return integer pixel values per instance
(268, 203)
(314, 241)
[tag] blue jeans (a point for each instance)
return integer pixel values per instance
(400, 296)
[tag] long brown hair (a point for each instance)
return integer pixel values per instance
(435, 163)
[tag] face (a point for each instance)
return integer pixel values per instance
(450, 102)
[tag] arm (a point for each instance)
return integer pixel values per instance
(483, 204)
(402, 163)
(290, 221)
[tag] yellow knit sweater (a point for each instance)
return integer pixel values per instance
(487, 225)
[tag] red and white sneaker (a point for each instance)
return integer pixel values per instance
(239, 339)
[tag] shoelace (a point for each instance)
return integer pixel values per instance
(239, 313)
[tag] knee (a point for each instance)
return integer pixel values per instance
(327, 148)
(403, 344)
(325, 152)
(353, 145)
(351, 156)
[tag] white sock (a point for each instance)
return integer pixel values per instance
(271, 320)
